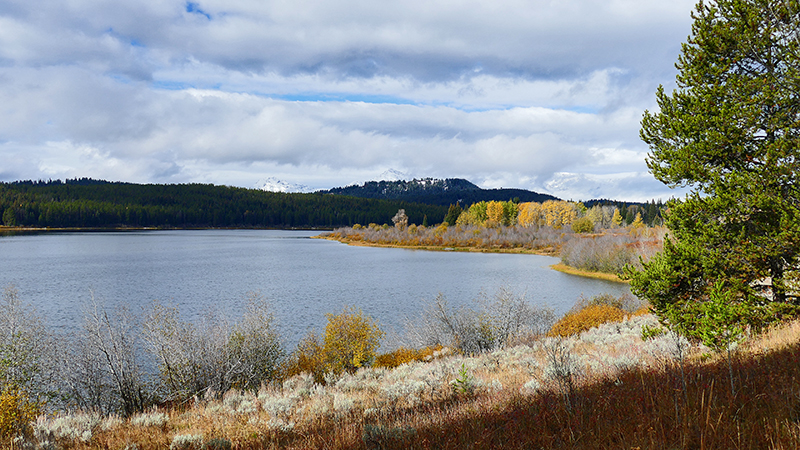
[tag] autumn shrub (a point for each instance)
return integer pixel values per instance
(404, 355)
(350, 342)
(397, 357)
(309, 357)
(586, 318)
(17, 412)
(588, 313)
(583, 225)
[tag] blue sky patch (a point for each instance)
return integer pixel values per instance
(194, 8)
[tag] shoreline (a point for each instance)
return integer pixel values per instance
(569, 270)
(560, 267)
(437, 248)
(4, 229)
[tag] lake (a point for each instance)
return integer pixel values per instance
(303, 278)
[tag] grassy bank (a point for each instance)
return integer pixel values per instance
(585, 273)
(547, 251)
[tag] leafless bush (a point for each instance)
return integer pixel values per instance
(611, 252)
(607, 253)
(562, 367)
(27, 349)
(499, 320)
(214, 355)
(103, 369)
(626, 302)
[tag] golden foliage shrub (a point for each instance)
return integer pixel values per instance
(583, 225)
(404, 355)
(587, 318)
(350, 341)
(308, 358)
(16, 413)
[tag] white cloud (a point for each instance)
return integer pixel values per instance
(324, 93)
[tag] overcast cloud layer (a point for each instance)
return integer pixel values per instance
(535, 94)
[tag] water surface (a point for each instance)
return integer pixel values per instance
(303, 278)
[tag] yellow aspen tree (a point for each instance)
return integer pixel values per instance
(529, 213)
(550, 214)
(350, 340)
(557, 213)
(616, 219)
(637, 221)
(568, 212)
(495, 212)
(595, 214)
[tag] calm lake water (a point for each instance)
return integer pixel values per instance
(214, 270)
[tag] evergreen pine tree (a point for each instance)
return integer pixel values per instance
(730, 133)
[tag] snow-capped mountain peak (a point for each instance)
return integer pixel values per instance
(393, 175)
(273, 184)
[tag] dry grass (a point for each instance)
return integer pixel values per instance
(623, 393)
(585, 319)
(561, 267)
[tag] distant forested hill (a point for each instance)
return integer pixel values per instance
(96, 203)
(437, 192)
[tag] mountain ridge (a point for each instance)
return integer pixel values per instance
(433, 191)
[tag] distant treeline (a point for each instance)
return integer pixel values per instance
(652, 212)
(95, 203)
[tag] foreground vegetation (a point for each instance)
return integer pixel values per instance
(589, 380)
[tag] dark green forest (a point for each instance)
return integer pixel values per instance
(88, 203)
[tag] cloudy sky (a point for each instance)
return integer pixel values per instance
(536, 94)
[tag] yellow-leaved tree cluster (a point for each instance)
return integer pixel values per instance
(552, 213)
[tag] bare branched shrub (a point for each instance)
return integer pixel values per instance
(610, 253)
(27, 349)
(562, 367)
(500, 319)
(213, 356)
(626, 302)
(255, 347)
(104, 370)
(607, 253)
